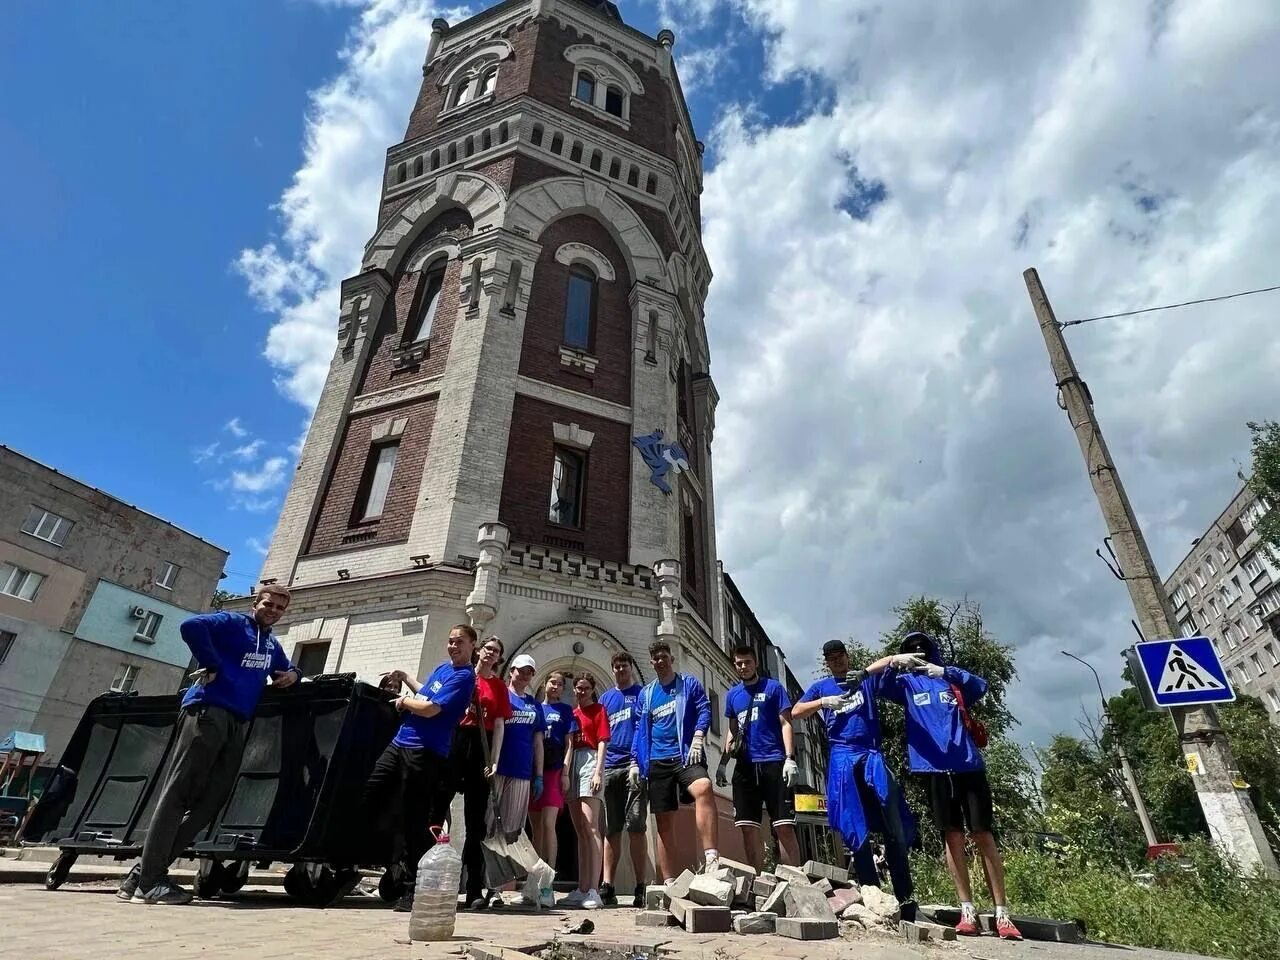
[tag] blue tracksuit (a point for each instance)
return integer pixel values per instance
(693, 715)
(242, 653)
(937, 741)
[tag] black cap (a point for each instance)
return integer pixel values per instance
(833, 646)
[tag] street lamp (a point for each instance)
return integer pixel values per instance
(1125, 769)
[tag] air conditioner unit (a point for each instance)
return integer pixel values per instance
(138, 612)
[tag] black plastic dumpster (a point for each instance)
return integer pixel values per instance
(296, 800)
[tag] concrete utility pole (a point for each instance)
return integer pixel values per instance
(1126, 770)
(1228, 811)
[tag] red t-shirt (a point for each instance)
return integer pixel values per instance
(593, 726)
(493, 699)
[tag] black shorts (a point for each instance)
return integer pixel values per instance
(960, 801)
(669, 782)
(758, 787)
(624, 808)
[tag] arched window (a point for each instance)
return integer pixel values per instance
(488, 80)
(453, 155)
(417, 167)
(465, 92)
(401, 173)
(651, 185)
(613, 101)
(596, 159)
(502, 132)
(580, 307)
(419, 328)
(435, 159)
(633, 177)
(486, 140)
(557, 143)
(615, 168)
(536, 137)
(585, 89)
(470, 147)
(575, 154)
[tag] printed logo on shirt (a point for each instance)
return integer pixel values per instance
(523, 717)
(666, 710)
(855, 702)
(256, 661)
(921, 698)
(620, 716)
(435, 686)
(947, 697)
(761, 697)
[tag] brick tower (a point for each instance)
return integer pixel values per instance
(528, 318)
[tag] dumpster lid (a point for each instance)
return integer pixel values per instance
(22, 742)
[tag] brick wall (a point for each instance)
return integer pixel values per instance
(334, 528)
(544, 323)
(375, 645)
(526, 487)
(381, 371)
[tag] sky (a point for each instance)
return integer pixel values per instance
(183, 187)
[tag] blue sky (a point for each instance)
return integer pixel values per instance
(183, 188)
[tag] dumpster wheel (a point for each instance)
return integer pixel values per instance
(60, 869)
(317, 885)
(390, 886)
(233, 878)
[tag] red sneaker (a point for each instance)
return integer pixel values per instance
(1006, 929)
(967, 927)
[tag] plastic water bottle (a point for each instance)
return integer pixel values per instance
(435, 893)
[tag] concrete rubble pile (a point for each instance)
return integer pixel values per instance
(813, 902)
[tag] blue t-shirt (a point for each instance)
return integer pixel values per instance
(558, 724)
(451, 687)
(524, 724)
(620, 705)
(665, 736)
(767, 698)
(857, 725)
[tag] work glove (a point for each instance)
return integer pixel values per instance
(535, 789)
(695, 750)
(722, 772)
(907, 661)
(790, 772)
(835, 701)
(931, 670)
(633, 777)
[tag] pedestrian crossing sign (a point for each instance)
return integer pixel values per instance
(1184, 672)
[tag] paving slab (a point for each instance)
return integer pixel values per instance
(817, 869)
(805, 902)
(655, 918)
(755, 923)
(804, 928)
(678, 889)
(711, 892)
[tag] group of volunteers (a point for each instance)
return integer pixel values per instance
(476, 729)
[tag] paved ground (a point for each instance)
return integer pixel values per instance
(86, 920)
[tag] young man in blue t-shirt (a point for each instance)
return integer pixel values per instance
(765, 774)
(409, 777)
(237, 655)
(667, 749)
(862, 795)
(625, 805)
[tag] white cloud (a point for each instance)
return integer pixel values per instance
(257, 546)
(235, 428)
(201, 454)
(248, 451)
(267, 477)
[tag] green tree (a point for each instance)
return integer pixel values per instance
(1083, 798)
(220, 597)
(1266, 480)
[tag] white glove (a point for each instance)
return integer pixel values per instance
(907, 661)
(931, 670)
(633, 777)
(835, 702)
(790, 772)
(695, 750)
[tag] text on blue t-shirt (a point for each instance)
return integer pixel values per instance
(620, 705)
(763, 724)
(558, 724)
(665, 736)
(451, 688)
(858, 723)
(523, 726)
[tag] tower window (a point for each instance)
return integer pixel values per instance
(372, 498)
(402, 173)
(615, 168)
(651, 185)
(633, 177)
(613, 101)
(488, 81)
(435, 159)
(486, 140)
(536, 137)
(567, 474)
(596, 159)
(470, 146)
(579, 308)
(575, 152)
(557, 144)
(502, 132)
(465, 92)
(453, 153)
(585, 89)
(417, 167)
(420, 329)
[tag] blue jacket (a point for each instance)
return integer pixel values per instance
(693, 715)
(937, 741)
(241, 652)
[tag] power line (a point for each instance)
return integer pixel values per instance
(1170, 306)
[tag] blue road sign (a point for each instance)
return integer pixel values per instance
(1184, 672)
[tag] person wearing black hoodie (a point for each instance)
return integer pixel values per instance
(942, 751)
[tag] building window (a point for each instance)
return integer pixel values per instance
(1191, 588)
(613, 101)
(575, 152)
(488, 80)
(1271, 655)
(429, 302)
(579, 308)
(1257, 664)
(376, 482)
(1273, 699)
(1208, 562)
(1200, 576)
(1223, 553)
(1253, 567)
(714, 697)
(7, 638)
(1188, 628)
(147, 629)
(557, 143)
(310, 658)
(1230, 637)
(536, 137)
(568, 473)
(126, 679)
(1179, 597)
(168, 576)
(597, 158)
(689, 551)
(1237, 588)
(1213, 607)
(585, 88)
(19, 582)
(50, 527)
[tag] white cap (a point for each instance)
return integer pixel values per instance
(524, 660)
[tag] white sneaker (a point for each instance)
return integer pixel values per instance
(711, 864)
(575, 899)
(592, 901)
